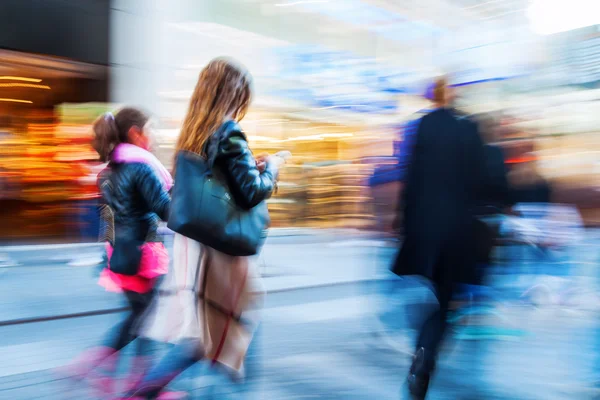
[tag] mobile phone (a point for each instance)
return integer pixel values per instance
(286, 155)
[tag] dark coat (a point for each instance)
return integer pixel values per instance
(540, 192)
(443, 185)
(495, 196)
(136, 198)
(229, 151)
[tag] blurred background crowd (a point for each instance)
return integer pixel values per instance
(336, 82)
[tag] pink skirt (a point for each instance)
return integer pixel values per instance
(154, 263)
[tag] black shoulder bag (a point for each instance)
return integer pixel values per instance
(203, 209)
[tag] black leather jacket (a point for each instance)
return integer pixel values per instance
(229, 151)
(134, 196)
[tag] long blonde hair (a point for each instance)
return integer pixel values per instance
(223, 90)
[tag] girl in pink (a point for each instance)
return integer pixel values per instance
(135, 192)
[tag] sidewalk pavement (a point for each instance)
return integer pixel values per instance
(89, 254)
(310, 345)
(319, 346)
(52, 282)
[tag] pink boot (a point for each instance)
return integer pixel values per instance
(162, 396)
(172, 396)
(139, 366)
(102, 378)
(86, 362)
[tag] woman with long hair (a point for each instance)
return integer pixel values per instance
(134, 188)
(216, 292)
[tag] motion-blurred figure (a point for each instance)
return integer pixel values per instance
(134, 189)
(439, 199)
(217, 290)
(494, 201)
(495, 194)
(386, 183)
(496, 191)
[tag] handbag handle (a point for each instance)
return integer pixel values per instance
(212, 146)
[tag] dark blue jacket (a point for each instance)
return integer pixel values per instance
(442, 187)
(402, 153)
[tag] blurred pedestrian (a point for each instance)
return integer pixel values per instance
(496, 191)
(439, 199)
(386, 184)
(495, 194)
(216, 291)
(388, 180)
(134, 188)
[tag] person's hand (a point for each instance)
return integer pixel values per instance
(261, 161)
(262, 157)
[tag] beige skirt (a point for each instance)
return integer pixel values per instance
(211, 297)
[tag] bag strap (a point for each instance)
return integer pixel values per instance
(231, 316)
(197, 278)
(212, 149)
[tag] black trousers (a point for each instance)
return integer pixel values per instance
(434, 328)
(458, 262)
(127, 331)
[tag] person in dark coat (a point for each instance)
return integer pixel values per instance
(442, 188)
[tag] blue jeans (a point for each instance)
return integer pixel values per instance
(185, 355)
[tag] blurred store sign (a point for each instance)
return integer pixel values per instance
(13, 62)
(479, 75)
(82, 114)
(576, 57)
(341, 80)
(389, 25)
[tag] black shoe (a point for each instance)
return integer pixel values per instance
(418, 377)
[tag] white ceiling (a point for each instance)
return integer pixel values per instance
(455, 13)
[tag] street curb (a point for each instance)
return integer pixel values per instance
(327, 284)
(42, 247)
(22, 321)
(274, 233)
(7, 262)
(32, 320)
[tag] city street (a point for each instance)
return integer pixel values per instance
(318, 336)
(48, 282)
(316, 343)
(337, 131)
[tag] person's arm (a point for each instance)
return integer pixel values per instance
(249, 186)
(153, 192)
(414, 149)
(407, 147)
